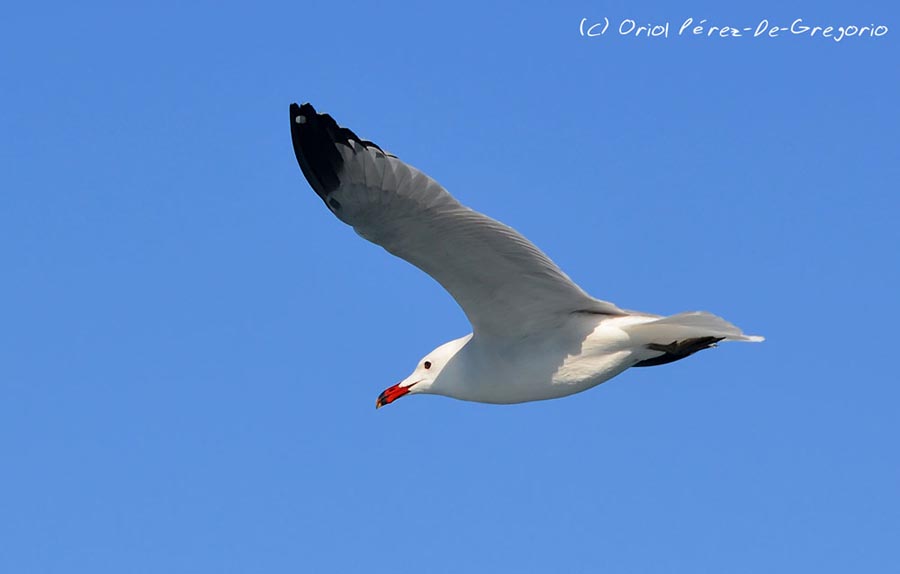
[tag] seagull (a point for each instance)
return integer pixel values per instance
(536, 335)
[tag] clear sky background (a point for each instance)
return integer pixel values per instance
(191, 345)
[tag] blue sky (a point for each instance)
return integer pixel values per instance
(191, 345)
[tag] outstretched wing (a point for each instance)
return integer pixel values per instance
(506, 286)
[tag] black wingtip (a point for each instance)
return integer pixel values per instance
(313, 139)
(314, 136)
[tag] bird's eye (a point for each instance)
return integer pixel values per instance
(427, 364)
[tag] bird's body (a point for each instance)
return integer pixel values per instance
(537, 335)
(581, 354)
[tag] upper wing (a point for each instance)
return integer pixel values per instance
(504, 284)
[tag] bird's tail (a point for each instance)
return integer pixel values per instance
(678, 336)
(690, 324)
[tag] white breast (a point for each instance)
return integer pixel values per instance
(589, 350)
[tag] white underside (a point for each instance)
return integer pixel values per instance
(584, 352)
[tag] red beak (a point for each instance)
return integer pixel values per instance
(391, 394)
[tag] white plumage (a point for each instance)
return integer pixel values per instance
(536, 334)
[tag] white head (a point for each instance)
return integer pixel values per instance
(427, 373)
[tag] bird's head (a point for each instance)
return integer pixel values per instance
(427, 373)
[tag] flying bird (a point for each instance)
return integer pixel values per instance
(535, 334)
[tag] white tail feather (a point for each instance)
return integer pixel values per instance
(688, 325)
